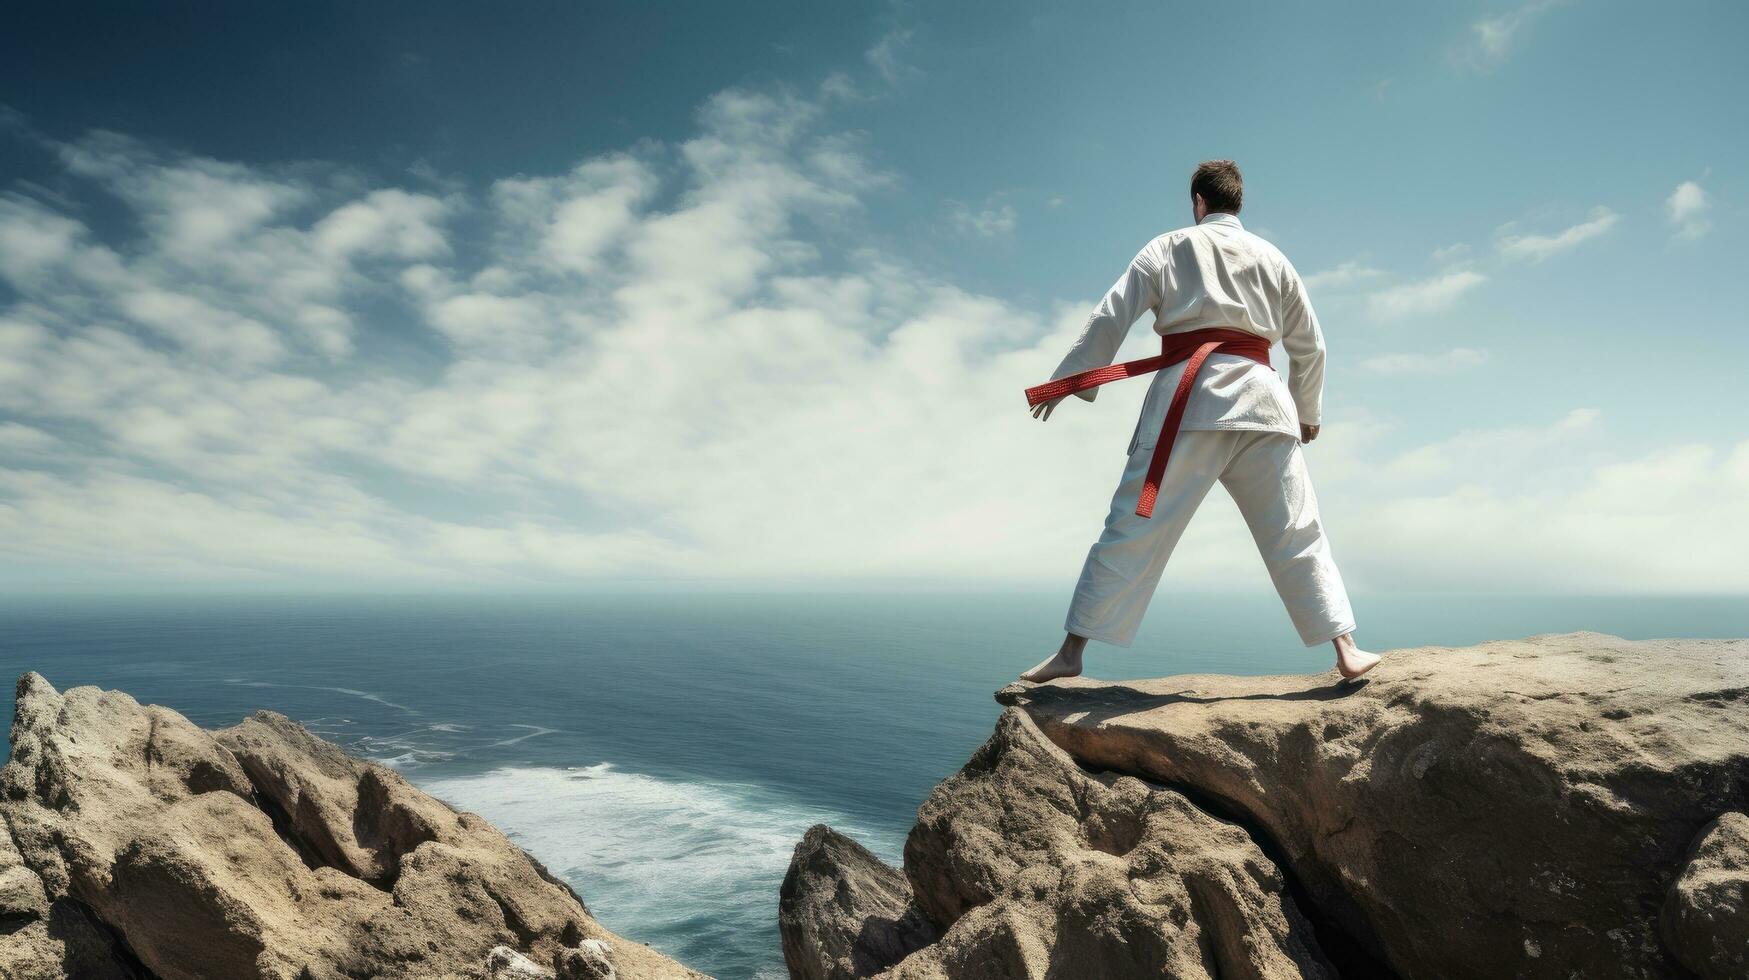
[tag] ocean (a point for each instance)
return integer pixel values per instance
(663, 753)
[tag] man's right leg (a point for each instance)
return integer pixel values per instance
(1268, 479)
(1124, 566)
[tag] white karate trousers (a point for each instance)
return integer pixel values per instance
(1265, 472)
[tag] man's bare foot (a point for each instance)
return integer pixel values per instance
(1352, 661)
(1066, 662)
(1052, 668)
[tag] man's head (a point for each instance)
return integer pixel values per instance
(1216, 186)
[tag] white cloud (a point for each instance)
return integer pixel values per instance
(1687, 206)
(1491, 39)
(887, 56)
(690, 376)
(236, 263)
(1450, 253)
(1536, 248)
(839, 86)
(194, 206)
(32, 239)
(1502, 447)
(1459, 514)
(571, 221)
(202, 329)
(1346, 274)
(1424, 296)
(993, 220)
(18, 438)
(386, 222)
(595, 386)
(1445, 362)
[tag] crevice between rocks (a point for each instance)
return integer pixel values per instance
(120, 954)
(123, 954)
(118, 943)
(524, 933)
(559, 883)
(282, 825)
(370, 812)
(1352, 956)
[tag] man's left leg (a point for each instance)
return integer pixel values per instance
(1267, 478)
(1125, 564)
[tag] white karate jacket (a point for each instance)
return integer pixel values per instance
(1213, 274)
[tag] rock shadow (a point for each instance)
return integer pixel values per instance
(1115, 700)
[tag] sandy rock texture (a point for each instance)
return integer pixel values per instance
(1561, 806)
(141, 846)
(843, 913)
(1706, 916)
(1034, 868)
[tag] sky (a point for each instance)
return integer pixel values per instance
(431, 296)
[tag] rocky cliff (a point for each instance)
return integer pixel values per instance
(1562, 807)
(140, 846)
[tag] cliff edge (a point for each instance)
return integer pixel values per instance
(1559, 806)
(137, 846)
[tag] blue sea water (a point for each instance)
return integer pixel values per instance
(663, 753)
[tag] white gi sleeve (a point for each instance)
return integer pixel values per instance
(1303, 340)
(1136, 290)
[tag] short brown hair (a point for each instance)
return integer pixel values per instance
(1220, 184)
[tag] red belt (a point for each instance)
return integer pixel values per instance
(1193, 346)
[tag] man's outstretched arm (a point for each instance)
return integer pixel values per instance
(1136, 290)
(1303, 339)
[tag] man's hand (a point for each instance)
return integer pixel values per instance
(1308, 432)
(1042, 411)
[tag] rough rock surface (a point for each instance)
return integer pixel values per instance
(1035, 868)
(1510, 809)
(140, 846)
(591, 959)
(843, 913)
(42, 939)
(1562, 806)
(1706, 916)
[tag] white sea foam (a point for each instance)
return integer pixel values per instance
(348, 691)
(408, 749)
(535, 731)
(676, 862)
(399, 755)
(368, 697)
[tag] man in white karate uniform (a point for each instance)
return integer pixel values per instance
(1220, 296)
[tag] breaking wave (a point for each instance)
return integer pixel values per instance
(690, 866)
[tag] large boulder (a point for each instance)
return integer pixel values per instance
(357, 818)
(1031, 867)
(43, 939)
(140, 845)
(1512, 809)
(843, 913)
(1706, 916)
